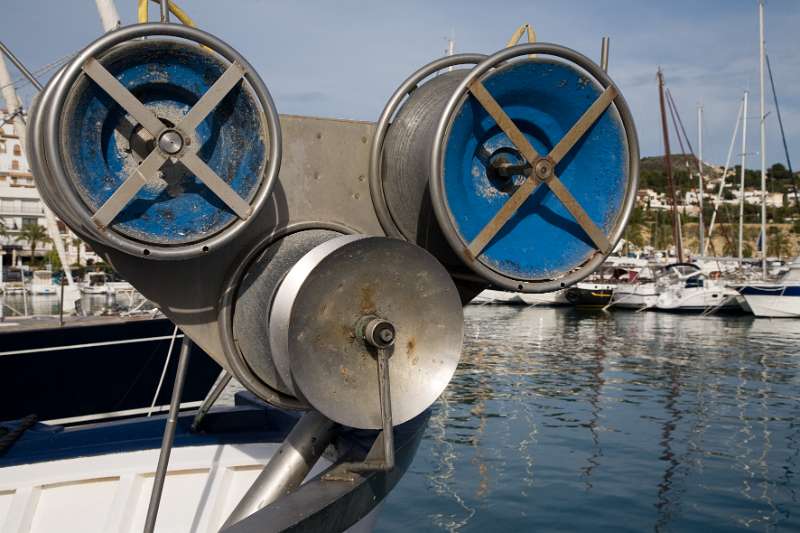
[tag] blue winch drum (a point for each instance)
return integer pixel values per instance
(103, 145)
(443, 151)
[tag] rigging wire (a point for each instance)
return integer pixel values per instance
(783, 136)
(675, 123)
(683, 130)
(22, 80)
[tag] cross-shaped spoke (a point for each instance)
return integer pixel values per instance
(212, 97)
(129, 188)
(217, 185)
(543, 168)
(102, 77)
(174, 144)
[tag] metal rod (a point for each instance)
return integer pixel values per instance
(164, 11)
(288, 467)
(386, 409)
(222, 381)
(604, 54)
(700, 222)
(741, 179)
(61, 303)
(676, 235)
(17, 63)
(169, 436)
(763, 142)
(163, 370)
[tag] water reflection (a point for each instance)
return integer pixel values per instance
(560, 419)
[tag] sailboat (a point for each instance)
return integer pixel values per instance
(780, 299)
(697, 291)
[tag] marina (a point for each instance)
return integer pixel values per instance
(499, 289)
(672, 422)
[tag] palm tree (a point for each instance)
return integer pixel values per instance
(33, 234)
(77, 244)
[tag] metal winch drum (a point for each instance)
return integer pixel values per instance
(522, 168)
(160, 145)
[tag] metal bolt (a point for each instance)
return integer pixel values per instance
(376, 331)
(543, 169)
(386, 335)
(170, 142)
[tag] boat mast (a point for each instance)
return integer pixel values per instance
(109, 16)
(14, 105)
(763, 142)
(721, 190)
(676, 235)
(701, 226)
(741, 178)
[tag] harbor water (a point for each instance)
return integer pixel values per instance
(568, 420)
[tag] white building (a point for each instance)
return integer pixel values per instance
(20, 203)
(653, 200)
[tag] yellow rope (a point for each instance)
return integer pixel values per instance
(142, 11)
(173, 7)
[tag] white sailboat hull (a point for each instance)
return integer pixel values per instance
(634, 296)
(110, 492)
(773, 306)
(696, 299)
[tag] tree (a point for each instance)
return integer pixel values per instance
(33, 234)
(778, 242)
(54, 260)
(77, 244)
(731, 249)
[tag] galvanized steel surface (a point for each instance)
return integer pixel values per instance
(317, 308)
(406, 89)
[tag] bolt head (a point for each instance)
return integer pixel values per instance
(543, 169)
(170, 142)
(379, 333)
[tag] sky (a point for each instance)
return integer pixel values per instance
(345, 58)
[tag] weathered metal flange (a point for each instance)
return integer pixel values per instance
(376, 183)
(319, 305)
(559, 125)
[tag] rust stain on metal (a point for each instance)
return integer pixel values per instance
(368, 299)
(411, 350)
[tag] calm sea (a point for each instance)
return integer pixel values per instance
(565, 420)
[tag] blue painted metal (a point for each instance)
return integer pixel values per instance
(544, 98)
(169, 78)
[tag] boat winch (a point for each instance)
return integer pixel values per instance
(323, 262)
(157, 147)
(522, 168)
